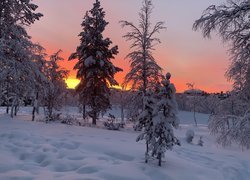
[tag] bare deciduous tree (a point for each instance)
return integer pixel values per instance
(145, 72)
(231, 21)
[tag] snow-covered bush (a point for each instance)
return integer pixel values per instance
(231, 128)
(111, 123)
(70, 120)
(189, 136)
(200, 142)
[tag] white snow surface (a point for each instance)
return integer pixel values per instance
(35, 150)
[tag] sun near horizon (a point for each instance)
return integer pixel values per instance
(73, 82)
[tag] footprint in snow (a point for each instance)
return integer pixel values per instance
(87, 170)
(120, 156)
(69, 146)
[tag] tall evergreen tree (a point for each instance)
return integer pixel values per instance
(145, 72)
(94, 67)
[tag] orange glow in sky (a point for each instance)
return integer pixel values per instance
(183, 52)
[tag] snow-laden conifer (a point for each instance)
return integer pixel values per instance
(165, 120)
(94, 67)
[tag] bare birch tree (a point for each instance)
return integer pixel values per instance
(145, 72)
(231, 21)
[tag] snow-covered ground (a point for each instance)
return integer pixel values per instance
(35, 150)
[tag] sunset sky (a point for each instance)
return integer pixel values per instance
(183, 52)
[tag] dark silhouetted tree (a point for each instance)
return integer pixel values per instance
(94, 67)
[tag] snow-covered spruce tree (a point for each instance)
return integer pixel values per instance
(15, 55)
(231, 21)
(165, 118)
(94, 67)
(56, 87)
(145, 72)
(145, 122)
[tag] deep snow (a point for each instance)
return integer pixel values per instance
(35, 150)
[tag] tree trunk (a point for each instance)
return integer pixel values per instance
(84, 112)
(35, 107)
(7, 100)
(228, 125)
(33, 114)
(12, 108)
(12, 111)
(16, 109)
(159, 157)
(122, 113)
(7, 109)
(195, 121)
(94, 118)
(146, 154)
(50, 113)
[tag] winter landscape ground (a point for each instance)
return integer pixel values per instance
(36, 150)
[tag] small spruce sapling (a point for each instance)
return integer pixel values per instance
(164, 120)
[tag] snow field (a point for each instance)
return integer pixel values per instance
(35, 150)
